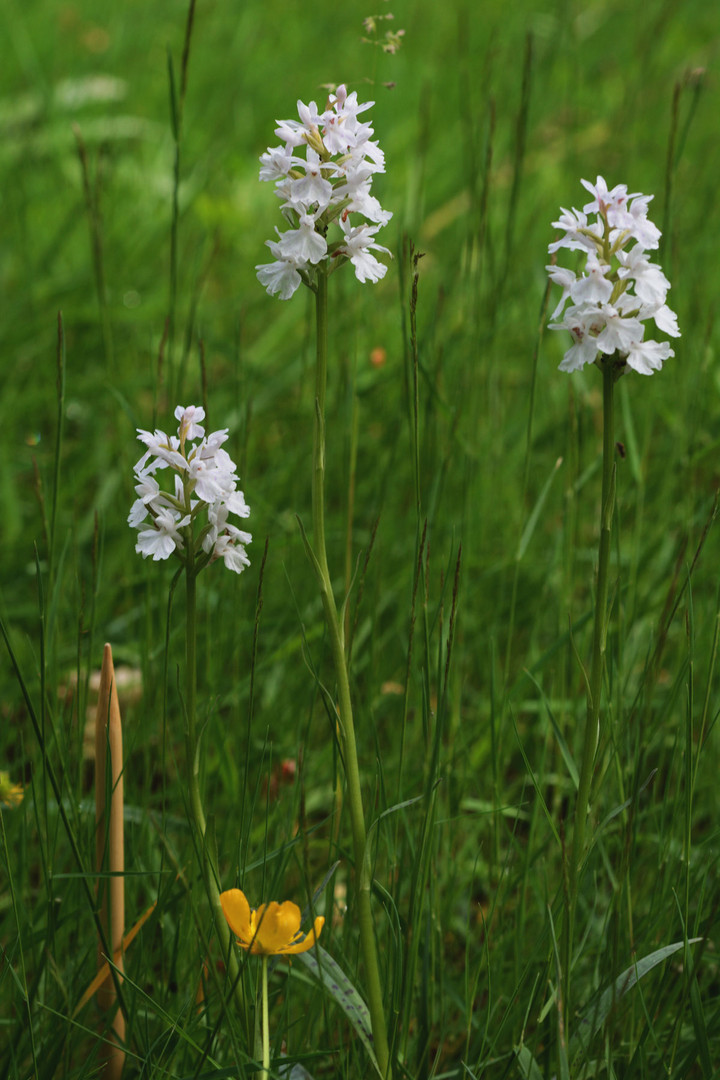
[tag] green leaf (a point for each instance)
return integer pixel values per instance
(334, 980)
(529, 1068)
(597, 1013)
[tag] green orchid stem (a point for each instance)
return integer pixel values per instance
(209, 868)
(265, 1023)
(610, 370)
(368, 944)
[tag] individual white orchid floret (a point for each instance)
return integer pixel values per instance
(357, 245)
(645, 357)
(649, 282)
(312, 189)
(281, 277)
(164, 538)
(304, 244)
(276, 163)
(593, 287)
(560, 275)
(190, 417)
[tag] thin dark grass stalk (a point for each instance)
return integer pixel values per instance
(204, 381)
(526, 475)
(408, 662)
(642, 705)
(49, 777)
(495, 733)
(41, 733)
(485, 194)
(705, 726)
(190, 323)
(86, 632)
(59, 431)
(412, 943)
(420, 870)
(40, 499)
(670, 168)
(177, 108)
(158, 397)
(94, 214)
(164, 721)
(453, 719)
(26, 998)
(414, 206)
(254, 654)
(350, 511)
(521, 126)
(413, 383)
(361, 587)
(175, 120)
(426, 662)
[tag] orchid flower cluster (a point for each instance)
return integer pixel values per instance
(325, 187)
(619, 288)
(205, 483)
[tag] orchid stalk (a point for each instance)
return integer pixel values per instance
(191, 524)
(326, 199)
(617, 293)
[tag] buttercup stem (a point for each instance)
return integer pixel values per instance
(592, 722)
(209, 870)
(347, 729)
(265, 1023)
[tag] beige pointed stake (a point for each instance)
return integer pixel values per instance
(110, 849)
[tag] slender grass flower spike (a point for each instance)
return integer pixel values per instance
(272, 929)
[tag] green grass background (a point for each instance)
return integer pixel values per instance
(494, 114)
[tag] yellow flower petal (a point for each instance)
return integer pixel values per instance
(277, 925)
(237, 912)
(309, 940)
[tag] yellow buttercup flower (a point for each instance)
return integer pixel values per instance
(10, 794)
(272, 929)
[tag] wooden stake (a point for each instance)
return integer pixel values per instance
(110, 849)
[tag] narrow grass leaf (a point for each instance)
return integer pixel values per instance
(564, 748)
(535, 784)
(535, 514)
